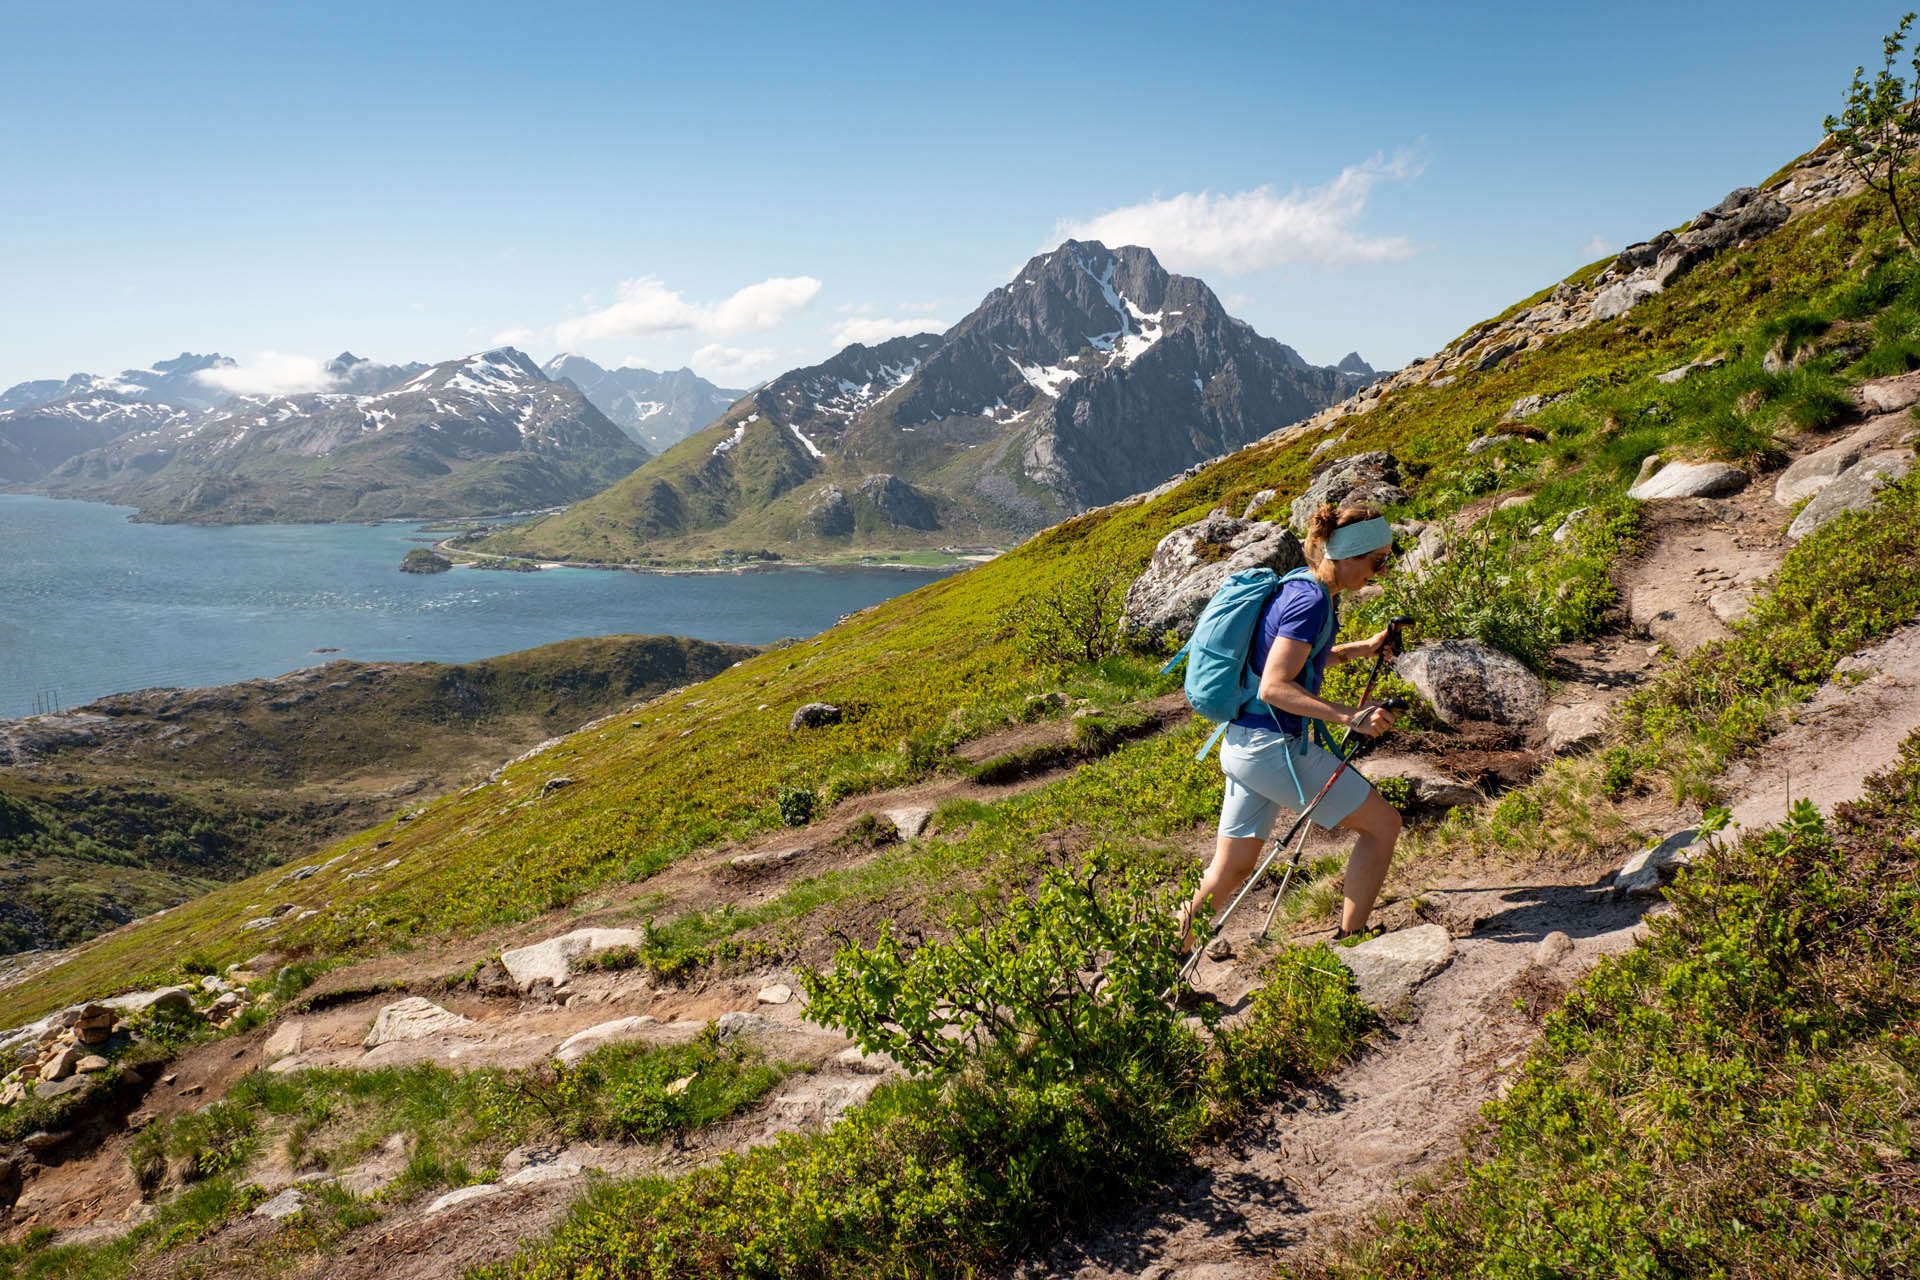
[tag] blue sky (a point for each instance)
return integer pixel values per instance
(745, 187)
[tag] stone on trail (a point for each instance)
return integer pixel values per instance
(1552, 949)
(464, 1195)
(870, 1064)
(288, 1037)
(552, 960)
(90, 1064)
(777, 993)
(1854, 489)
(1653, 867)
(582, 1043)
(1731, 605)
(1466, 680)
(1690, 480)
(1386, 969)
(1808, 475)
(1890, 395)
(767, 859)
(1190, 563)
(287, 1204)
(414, 1018)
(739, 1023)
(1575, 728)
(909, 822)
(1427, 787)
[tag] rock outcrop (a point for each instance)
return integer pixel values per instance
(1465, 681)
(1190, 563)
(1369, 479)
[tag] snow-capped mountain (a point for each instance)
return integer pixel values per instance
(1093, 375)
(163, 382)
(657, 409)
(35, 440)
(480, 435)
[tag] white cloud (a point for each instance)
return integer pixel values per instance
(1254, 230)
(646, 305)
(515, 337)
(1238, 301)
(880, 328)
(270, 373)
(1596, 247)
(717, 362)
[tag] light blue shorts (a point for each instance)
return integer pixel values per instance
(1269, 771)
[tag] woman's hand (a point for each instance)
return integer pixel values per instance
(1371, 721)
(1381, 644)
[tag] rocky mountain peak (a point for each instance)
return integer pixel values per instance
(1352, 363)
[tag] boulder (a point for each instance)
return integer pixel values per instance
(288, 1037)
(1653, 867)
(775, 993)
(177, 998)
(1676, 375)
(464, 1195)
(739, 1023)
(1575, 728)
(1572, 523)
(909, 822)
(1854, 489)
(767, 859)
(1731, 605)
(1386, 969)
(1190, 563)
(580, 1044)
(1427, 787)
(1617, 299)
(813, 715)
(1552, 949)
(287, 1204)
(1466, 680)
(1890, 395)
(62, 1063)
(91, 1064)
(1808, 475)
(1262, 498)
(552, 960)
(414, 1018)
(1690, 480)
(552, 785)
(1360, 479)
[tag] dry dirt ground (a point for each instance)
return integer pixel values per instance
(1292, 1182)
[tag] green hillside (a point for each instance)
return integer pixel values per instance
(930, 1181)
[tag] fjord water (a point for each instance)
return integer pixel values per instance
(94, 604)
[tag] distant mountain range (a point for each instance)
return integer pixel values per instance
(49, 422)
(1094, 375)
(659, 410)
(482, 435)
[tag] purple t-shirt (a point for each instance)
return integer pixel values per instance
(1297, 611)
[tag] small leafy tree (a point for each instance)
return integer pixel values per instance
(1077, 621)
(1879, 133)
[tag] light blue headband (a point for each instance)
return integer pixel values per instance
(1359, 539)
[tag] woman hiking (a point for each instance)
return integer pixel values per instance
(1268, 755)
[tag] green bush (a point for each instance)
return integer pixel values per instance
(797, 805)
(1077, 621)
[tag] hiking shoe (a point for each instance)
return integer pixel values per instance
(1341, 938)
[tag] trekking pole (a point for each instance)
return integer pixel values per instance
(1379, 661)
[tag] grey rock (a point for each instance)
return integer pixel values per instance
(1483, 443)
(288, 1204)
(1855, 489)
(1466, 680)
(552, 960)
(552, 785)
(1497, 354)
(1220, 949)
(1617, 299)
(1190, 563)
(767, 859)
(1890, 395)
(775, 993)
(1575, 728)
(1636, 257)
(582, 1043)
(62, 1063)
(1690, 480)
(177, 998)
(463, 1195)
(1552, 949)
(1648, 870)
(60, 1088)
(1571, 523)
(1260, 500)
(813, 715)
(871, 1064)
(1386, 969)
(1359, 479)
(1526, 406)
(740, 1023)
(288, 1037)
(909, 822)
(1808, 475)
(413, 1018)
(1428, 787)
(1686, 370)
(1730, 606)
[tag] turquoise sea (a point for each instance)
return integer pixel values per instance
(92, 604)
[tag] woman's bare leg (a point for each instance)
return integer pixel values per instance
(1233, 861)
(1378, 825)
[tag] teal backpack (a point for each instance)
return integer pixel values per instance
(1221, 683)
